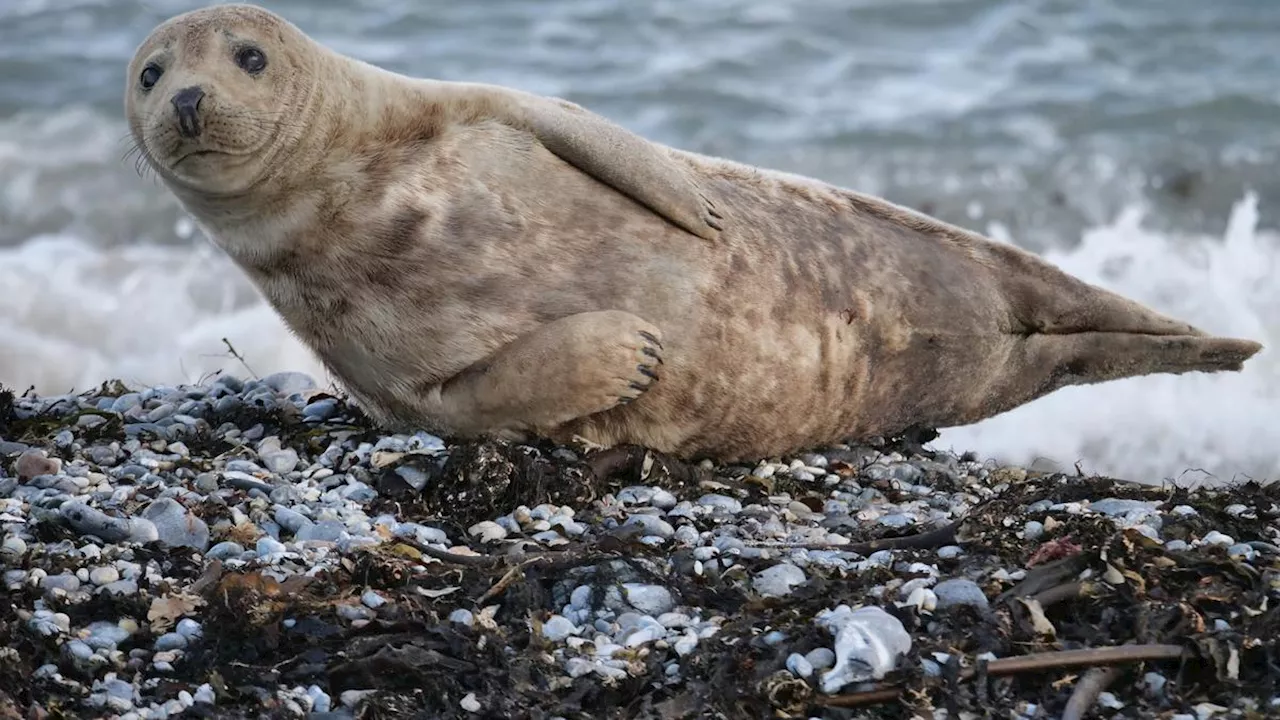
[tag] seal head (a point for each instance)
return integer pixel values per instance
(214, 95)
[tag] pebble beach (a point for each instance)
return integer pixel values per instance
(252, 547)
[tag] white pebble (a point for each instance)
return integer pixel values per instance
(470, 704)
(557, 628)
(1216, 538)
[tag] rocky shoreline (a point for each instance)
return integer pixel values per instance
(254, 548)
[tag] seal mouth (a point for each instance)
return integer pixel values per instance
(197, 153)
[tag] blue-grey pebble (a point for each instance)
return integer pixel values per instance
(269, 546)
(177, 526)
(105, 635)
(960, 591)
(327, 530)
(189, 629)
(320, 410)
(291, 520)
(225, 550)
(91, 521)
(280, 462)
(289, 382)
(171, 641)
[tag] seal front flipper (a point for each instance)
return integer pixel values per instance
(572, 367)
(642, 170)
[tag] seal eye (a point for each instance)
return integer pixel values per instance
(150, 76)
(251, 60)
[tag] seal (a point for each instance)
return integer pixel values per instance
(479, 261)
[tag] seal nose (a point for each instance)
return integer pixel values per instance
(186, 102)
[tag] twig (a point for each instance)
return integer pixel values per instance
(1037, 662)
(236, 354)
(506, 580)
(944, 535)
(445, 555)
(1088, 690)
(1066, 591)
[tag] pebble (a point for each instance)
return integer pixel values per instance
(176, 526)
(778, 580)
(104, 575)
(280, 507)
(960, 591)
(557, 628)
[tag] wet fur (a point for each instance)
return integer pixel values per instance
(409, 231)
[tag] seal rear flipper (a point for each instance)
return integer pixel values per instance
(1040, 364)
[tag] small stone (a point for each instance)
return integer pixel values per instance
(488, 531)
(268, 545)
(34, 463)
(372, 599)
(325, 530)
(557, 628)
(722, 502)
(651, 525)
(1033, 530)
(960, 591)
(897, 520)
(290, 519)
(320, 410)
(821, 658)
(289, 382)
(320, 700)
(204, 695)
(280, 462)
(799, 666)
(104, 575)
(13, 548)
(64, 581)
(778, 580)
(171, 641)
(189, 629)
(175, 525)
(1216, 538)
(649, 599)
(462, 616)
(225, 550)
(949, 552)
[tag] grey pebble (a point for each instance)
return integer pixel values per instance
(778, 580)
(171, 641)
(104, 575)
(63, 581)
(723, 502)
(281, 462)
(1032, 530)
(320, 410)
(652, 525)
(189, 629)
(326, 530)
(269, 546)
(821, 658)
(176, 526)
(960, 591)
(291, 520)
(557, 628)
(224, 551)
(105, 635)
